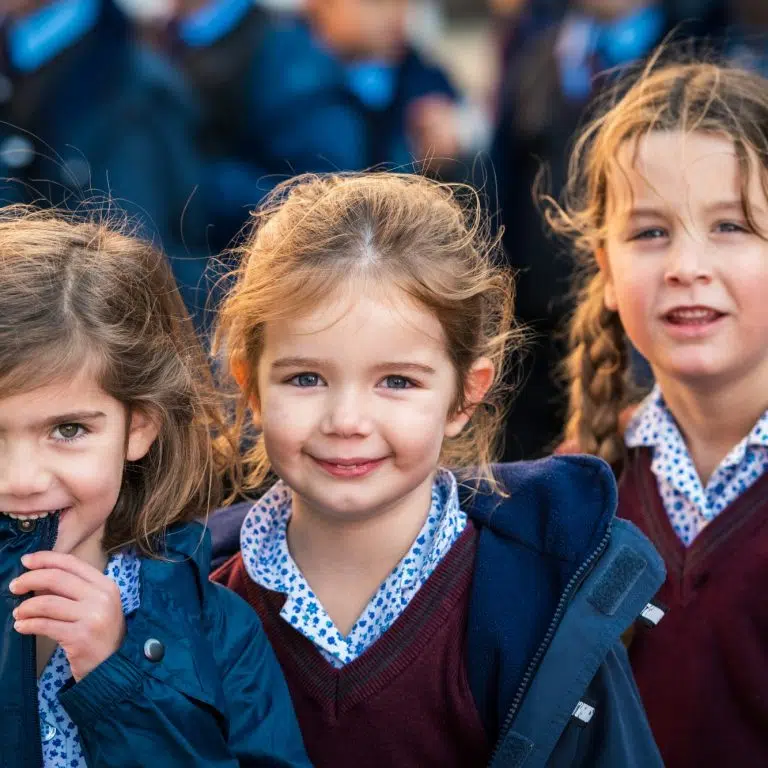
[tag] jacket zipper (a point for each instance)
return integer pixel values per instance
(30, 662)
(530, 671)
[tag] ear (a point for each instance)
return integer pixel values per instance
(478, 383)
(142, 432)
(240, 374)
(609, 297)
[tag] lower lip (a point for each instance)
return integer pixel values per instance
(351, 472)
(693, 330)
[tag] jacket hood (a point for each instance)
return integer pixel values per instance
(561, 506)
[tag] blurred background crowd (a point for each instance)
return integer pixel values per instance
(185, 113)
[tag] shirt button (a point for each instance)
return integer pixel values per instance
(27, 526)
(154, 650)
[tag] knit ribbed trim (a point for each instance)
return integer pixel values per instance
(393, 652)
(739, 517)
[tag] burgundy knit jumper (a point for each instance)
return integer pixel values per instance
(703, 671)
(406, 701)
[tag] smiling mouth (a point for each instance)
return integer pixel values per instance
(351, 469)
(692, 316)
(32, 515)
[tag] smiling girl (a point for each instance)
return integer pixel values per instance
(426, 608)
(116, 650)
(669, 206)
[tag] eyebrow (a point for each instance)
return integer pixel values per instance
(70, 418)
(722, 205)
(312, 362)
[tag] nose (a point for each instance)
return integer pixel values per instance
(347, 414)
(21, 474)
(688, 261)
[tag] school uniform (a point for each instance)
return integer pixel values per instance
(496, 640)
(703, 673)
(194, 682)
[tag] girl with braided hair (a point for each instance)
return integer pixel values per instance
(668, 201)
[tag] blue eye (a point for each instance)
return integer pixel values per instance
(69, 432)
(305, 380)
(652, 233)
(397, 382)
(729, 227)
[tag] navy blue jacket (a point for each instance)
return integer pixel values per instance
(206, 692)
(557, 581)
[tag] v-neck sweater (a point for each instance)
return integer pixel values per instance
(703, 671)
(406, 700)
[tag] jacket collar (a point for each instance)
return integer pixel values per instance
(561, 506)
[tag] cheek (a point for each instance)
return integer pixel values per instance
(286, 421)
(635, 297)
(417, 430)
(97, 478)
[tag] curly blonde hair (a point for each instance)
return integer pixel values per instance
(316, 232)
(79, 291)
(696, 96)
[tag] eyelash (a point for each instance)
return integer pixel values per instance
(644, 234)
(82, 432)
(294, 380)
(649, 233)
(734, 227)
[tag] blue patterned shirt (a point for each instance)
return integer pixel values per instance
(61, 742)
(689, 504)
(268, 562)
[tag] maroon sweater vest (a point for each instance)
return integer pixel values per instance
(703, 671)
(404, 702)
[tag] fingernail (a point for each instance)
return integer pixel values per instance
(14, 612)
(24, 559)
(12, 586)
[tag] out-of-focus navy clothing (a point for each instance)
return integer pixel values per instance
(101, 117)
(278, 103)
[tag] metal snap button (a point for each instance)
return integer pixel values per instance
(27, 526)
(48, 731)
(154, 650)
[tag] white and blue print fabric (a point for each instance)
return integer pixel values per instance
(689, 504)
(268, 562)
(61, 742)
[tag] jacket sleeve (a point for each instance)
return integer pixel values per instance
(263, 729)
(619, 733)
(128, 717)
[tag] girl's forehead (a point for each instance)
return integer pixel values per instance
(677, 169)
(383, 316)
(73, 391)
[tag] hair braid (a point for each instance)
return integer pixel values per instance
(596, 368)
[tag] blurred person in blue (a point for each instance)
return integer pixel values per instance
(87, 115)
(549, 83)
(339, 89)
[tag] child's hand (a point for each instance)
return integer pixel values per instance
(75, 605)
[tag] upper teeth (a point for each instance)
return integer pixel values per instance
(693, 313)
(30, 515)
